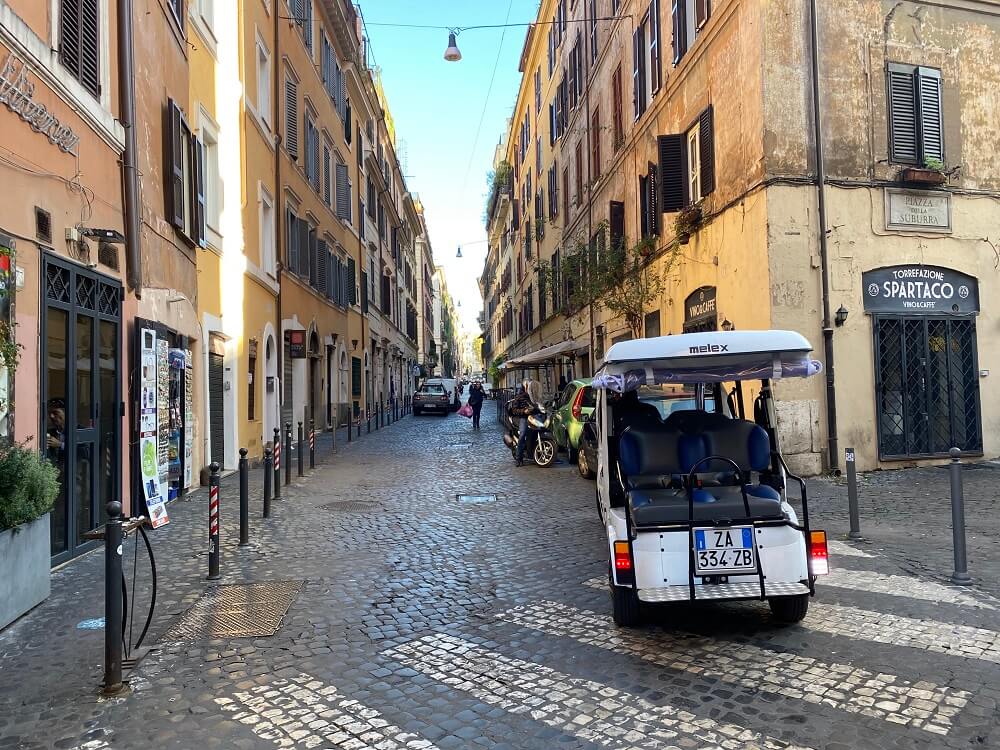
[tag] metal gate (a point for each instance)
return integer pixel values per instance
(927, 386)
(286, 397)
(216, 408)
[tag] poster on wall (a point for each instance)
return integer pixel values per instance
(162, 412)
(188, 418)
(152, 486)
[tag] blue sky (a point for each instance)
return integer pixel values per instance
(437, 106)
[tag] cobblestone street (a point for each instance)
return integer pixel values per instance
(418, 621)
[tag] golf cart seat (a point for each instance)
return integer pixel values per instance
(656, 461)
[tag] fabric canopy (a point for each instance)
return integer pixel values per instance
(540, 356)
(776, 369)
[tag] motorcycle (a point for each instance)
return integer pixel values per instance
(540, 445)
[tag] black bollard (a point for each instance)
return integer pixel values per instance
(268, 475)
(214, 553)
(312, 444)
(369, 414)
(350, 427)
(961, 575)
(852, 494)
(113, 609)
(244, 499)
(288, 453)
(277, 463)
(359, 427)
(302, 449)
(333, 432)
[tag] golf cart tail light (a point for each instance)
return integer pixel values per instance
(623, 560)
(577, 409)
(818, 553)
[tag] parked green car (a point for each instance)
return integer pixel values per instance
(572, 407)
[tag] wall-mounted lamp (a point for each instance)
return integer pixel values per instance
(354, 344)
(452, 54)
(727, 325)
(840, 317)
(459, 253)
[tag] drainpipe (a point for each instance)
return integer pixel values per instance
(831, 385)
(279, 214)
(130, 179)
(590, 171)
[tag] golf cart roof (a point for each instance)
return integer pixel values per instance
(711, 357)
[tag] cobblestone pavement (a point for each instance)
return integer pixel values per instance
(418, 621)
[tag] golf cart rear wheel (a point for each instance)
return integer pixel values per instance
(789, 609)
(625, 606)
(583, 466)
(545, 452)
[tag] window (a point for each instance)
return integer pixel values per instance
(579, 172)
(213, 177)
(327, 174)
(538, 92)
(615, 7)
(252, 380)
(916, 125)
(186, 170)
(639, 71)
(538, 156)
(304, 18)
(618, 128)
(267, 257)
(291, 116)
(687, 164)
(647, 73)
(177, 6)
(649, 217)
(566, 195)
(593, 30)
(263, 83)
(655, 66)
(312, 164)
(552, 51)
(595, 143)
(689, 17)
(79, 42)
(343, 192)
(206, 13)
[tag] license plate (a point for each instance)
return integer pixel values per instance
(727, 550)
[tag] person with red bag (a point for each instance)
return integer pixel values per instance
(476, 398)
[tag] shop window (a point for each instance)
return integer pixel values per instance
(186, 196)
(79, 41)
(916, 124)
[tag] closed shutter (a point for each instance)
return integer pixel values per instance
(902, 115)
(198, 228)
(931, 114)
(303, 231)
(307, 258)
(292, 118)
(352, 292)
(287, 392)
(652, 201)
(552, 123)
(702, 12)
(175, 146)
(343, 193)
(673, 172)
(706, 145)
(616, 216)
(637, 93)
(216, 407)
(291, 241)
(364, 292)
(327, 177)
(679, 15)
(307, 25)
(324, 62)
(655, 68)
(347, 120)
(79, 48)
(322, 255)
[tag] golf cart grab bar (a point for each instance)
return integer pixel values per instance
(805, 517)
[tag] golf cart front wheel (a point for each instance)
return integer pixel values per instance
(545, 453)
(789, 609)
(625, 606)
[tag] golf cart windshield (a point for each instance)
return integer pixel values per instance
(714, 357)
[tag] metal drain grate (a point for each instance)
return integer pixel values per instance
(237, 611)
(352, 506)
(477, 499)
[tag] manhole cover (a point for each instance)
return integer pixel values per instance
(476, 499)
(237, 611)
(352, 506)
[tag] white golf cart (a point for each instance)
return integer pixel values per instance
(693, 499)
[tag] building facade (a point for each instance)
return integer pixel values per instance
(686, 134)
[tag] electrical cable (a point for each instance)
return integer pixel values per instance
(504, 25)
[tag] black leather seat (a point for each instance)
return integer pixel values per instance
(656, 461)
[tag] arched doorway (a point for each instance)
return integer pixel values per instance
(271, 405)
(315, 391)
(343, 400)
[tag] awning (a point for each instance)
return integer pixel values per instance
(541, 356)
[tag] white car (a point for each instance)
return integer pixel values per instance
(451, 386)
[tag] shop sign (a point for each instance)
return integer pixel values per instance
(17, 92)
(700, 305)
(297, 344)
(916, 289)
(917, 210)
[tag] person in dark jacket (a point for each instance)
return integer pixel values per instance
(476, 398)
(520, 408)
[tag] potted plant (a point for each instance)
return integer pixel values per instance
(29, 485)
(687, 222)
(931, 173)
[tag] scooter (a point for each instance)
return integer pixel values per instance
(539, 444)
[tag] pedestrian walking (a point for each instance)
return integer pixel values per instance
(476, 398)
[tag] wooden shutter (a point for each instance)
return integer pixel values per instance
(616, 107)
(352, 291)
(636, 60)
(199, 214)
(673, 172)
(679, 16)
(347, 120)
(702, 12)
(303, 246)
(652, 201)
(706, 145)
(364, 292)
(79, 49)
(928, 82)
(292, 242)
(903, 135)
(343, 192)
(616, 220)
(292, 118)
(327, 176)
(175, 167)
(655, 68)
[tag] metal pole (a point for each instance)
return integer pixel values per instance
(113, 600)
(268, 476)
(359, 427)
(277, 463)
(312, 444)
(244, 499)
(369, 415)
(302, 449)
(852, 494)
(213, 522)
(288, 453)
(333, 432)
(961, 574)
(350, 426)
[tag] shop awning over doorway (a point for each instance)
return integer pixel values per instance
(541, 356)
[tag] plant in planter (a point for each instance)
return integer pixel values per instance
(687, 222)
(931, 173)
(29, 485)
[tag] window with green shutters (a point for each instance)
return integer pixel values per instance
(916, 115)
